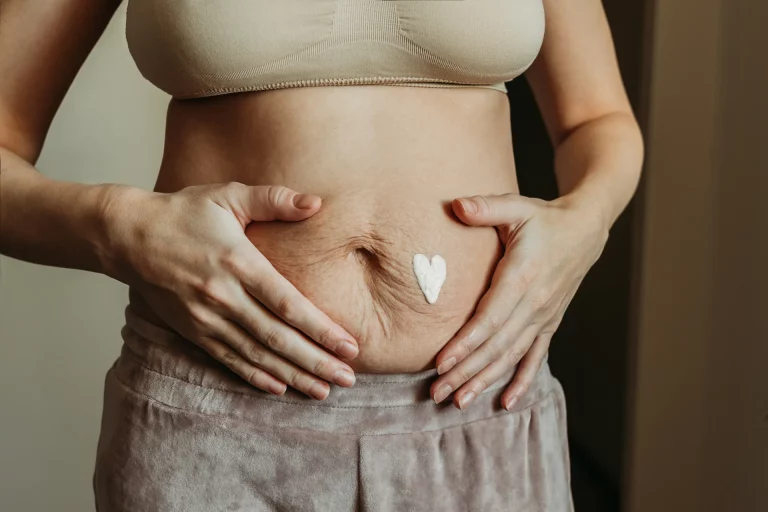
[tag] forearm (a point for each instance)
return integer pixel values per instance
(598, 165)
(51, 222)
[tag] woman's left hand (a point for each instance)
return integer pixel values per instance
(548, 248)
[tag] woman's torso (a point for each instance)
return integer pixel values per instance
(387, 162)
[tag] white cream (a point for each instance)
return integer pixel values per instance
(430, 276)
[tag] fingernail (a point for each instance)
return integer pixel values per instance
(344, 378)
(446, 365)
(510, 403)
(303, 201)
(276, 389)
(469, 205)
(466, 399)
(443, 392)
(348, 349)
(318, 391)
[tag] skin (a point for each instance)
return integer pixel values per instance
(236, 282)
(550, 245)
(353, 258)
(215, 287)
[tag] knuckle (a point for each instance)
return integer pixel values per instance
(253, 376)
(254, 271)
(463, 349)
(233, 187)
(228, 357)
(230, 191)
(541, 300)
(275, 340)
(480, 385)
(320, 365)
(525, 278)
(483, 207)
(523, 387)
(201, 319)
(230, 259)
(327, 338)
(296, 380)
(527, 273)
(254, 353)
(551, 328)
(496, 351)
(494, 321)
(286, 308)
(277, 194)
(214, 291)
(462, 375)
(514, 355)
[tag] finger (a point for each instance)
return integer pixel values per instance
(261, 356)
(487, 370)
(509, 284)
(229, 357)
(497, 369)
(265, 332)
(273, 202)
(493, 210)
(496, 348)
(297, 377)
(529, 366)
(273, 290)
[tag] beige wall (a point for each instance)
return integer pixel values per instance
(59, 329)
(699, 425)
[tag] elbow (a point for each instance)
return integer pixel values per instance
(20, 144)
(622, 119)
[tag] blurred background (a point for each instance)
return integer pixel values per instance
(663, 353)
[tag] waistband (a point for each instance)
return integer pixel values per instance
(164, 367)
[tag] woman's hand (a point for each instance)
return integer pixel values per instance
(548, 248)
(187, 256)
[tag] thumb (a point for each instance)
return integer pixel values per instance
(272, 202)
(493, 210)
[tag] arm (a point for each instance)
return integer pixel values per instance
(42, 47)
(549, 245)
(579, 91)
(214, 287)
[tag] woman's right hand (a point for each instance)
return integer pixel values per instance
(186, 255)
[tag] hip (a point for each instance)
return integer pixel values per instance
(166, 369)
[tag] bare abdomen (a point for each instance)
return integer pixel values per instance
(387, 162)
(354, 261)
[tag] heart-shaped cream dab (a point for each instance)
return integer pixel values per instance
(430, 276)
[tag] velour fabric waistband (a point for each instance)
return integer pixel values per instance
(163, 366)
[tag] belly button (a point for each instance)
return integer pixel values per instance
(368, 258)
(430, 276)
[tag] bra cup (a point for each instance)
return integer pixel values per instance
(198, 48)
(495, 39)
(203, 39)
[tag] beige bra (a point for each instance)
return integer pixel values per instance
(197, 48)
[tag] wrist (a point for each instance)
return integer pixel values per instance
(116, 207)
(590, 206)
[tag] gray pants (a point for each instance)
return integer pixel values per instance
(181, 433)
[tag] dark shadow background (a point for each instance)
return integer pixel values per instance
(590, 349)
